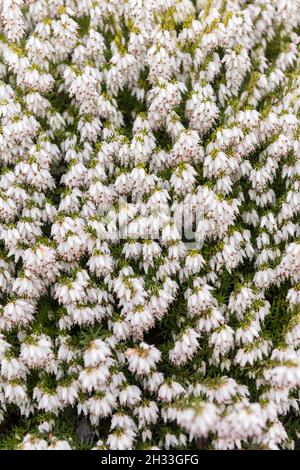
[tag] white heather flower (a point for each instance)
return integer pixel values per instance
(153, 380)
(31, 442)
(46, 426)
(129, 395)
(16, 393)
(149, 222)
(56, 444)
(142, 359)
(93, 377)
(199, 419)
(13, 368)
(120, 440)
(169, 391)
(68, 394)
(147, 413)
(221, 340)
(96, 353)
(37, 351)
(101, 404)
(242, 422)
(185, 347)
(120, 420)
(46, 400)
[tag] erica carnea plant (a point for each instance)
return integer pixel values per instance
(149, 224)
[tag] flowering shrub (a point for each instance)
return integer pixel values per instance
(149, 217)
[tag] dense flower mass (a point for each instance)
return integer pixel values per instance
(149, 224)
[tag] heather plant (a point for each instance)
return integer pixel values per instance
(149, 224)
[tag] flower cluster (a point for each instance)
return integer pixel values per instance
(149, 223)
